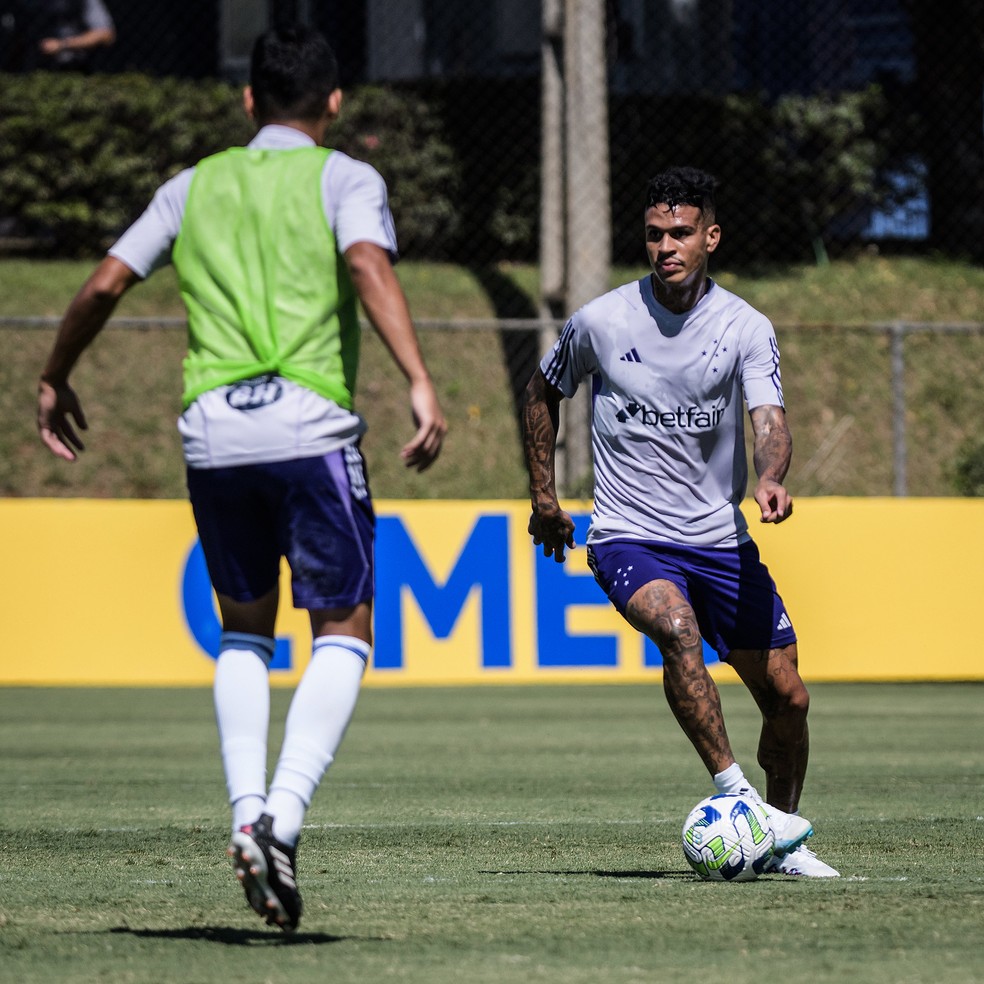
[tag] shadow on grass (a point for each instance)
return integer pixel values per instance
(520, 349)
(688, 875)
(233, 936)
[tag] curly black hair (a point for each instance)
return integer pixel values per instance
(683, 186)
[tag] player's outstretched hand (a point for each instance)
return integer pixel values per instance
(55, 405)
(774, 501)
(552, 528)
(421, 452)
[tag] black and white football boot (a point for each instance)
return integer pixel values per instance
(267, 870)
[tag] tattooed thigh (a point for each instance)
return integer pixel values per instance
(659, 610)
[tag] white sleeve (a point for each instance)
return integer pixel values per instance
(146, 245)
(356, 204)
(571, 358)
(97, 17)
(760, 376)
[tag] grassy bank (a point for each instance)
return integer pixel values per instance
(866, 289)
(836, 376)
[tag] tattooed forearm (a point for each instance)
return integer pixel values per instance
(773, 443)
(541, 412)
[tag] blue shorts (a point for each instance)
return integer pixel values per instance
(730, 590)
(316, 512)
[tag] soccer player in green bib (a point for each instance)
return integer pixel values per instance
(275, 245)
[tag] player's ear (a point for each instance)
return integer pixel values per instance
(249, 104)
(334, 105)
(713, 237)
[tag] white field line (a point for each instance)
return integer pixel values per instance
(444, 821)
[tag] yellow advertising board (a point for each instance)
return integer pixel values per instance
(108, 593)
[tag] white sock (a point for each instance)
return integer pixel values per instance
(242, 711)
(319, 713)
(732, 781)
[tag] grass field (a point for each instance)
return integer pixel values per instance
(489, 835)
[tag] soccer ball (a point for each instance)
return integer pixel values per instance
(728, 838)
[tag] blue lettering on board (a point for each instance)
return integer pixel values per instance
(201, 616)
(483, 562)
(556, 591)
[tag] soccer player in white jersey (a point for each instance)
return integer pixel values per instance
(671, 359)
(275, 244)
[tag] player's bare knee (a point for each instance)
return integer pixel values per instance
(673, 627)
(793, 704)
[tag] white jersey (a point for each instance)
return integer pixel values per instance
(667, 410)
(267, 419)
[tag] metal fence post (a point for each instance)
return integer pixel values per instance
(552, 184)
(588, 201)
(899, 449)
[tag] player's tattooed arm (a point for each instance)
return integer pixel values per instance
(549, 524)
(772, 453)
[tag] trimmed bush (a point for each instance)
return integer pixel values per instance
(81, 156)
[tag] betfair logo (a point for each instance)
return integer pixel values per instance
(686, 418)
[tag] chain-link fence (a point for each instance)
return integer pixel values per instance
(829, 123)
(525, 131)
(879, 410)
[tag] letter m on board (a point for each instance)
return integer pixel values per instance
(482, 563)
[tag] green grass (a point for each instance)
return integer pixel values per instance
(489, 835)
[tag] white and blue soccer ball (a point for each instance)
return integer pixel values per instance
(728, 838)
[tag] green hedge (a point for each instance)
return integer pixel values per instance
(81, 156)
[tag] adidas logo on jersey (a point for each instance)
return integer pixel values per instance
(784, 622)
(631, 356)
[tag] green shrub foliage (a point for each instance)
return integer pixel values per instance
(81, 156)
(968, 468)
(402, 137)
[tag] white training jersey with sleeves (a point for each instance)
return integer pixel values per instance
(97, 17)
(234, 425)
(668, 407)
